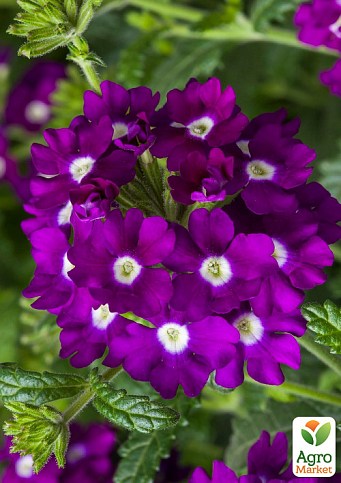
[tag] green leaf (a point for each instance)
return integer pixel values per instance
(322, 434)
(37, 388)
(307, 436)
(264, 12)
(39, 432)
(224, 15)
(135, 413)
(141, 455)
(325, 321)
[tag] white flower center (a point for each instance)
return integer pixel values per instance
(280, 253)
(37, 112)
(24, 466)
(80, 167)
(201, 127)
(102, 317)
(216, 270)
(64, 214)
(260, 170)
(67, 266)
(250, 328)
(120, 130)
(75, 453)
(243, 145)
(126, 270)
(2, 167)
(335, 28)
(4, 71)
(174, 337)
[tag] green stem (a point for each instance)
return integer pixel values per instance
(306, 392)
(87, 395)
(321, 352)
(90, 73)
(170, 10)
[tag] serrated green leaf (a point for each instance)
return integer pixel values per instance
(266, 11)
(307, 436)
(38, 432)
(141, 455)
(135, 413)
(325, 321)
(322, 434)
(37, 388)
(37, 49)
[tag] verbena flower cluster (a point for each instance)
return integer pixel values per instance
(88, 459)
(319, 24)
(265, 463)
(212, 293)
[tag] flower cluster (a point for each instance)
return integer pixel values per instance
(88, 459)
(265, 463)
(209, 293)
(27, 106)
(319, 24)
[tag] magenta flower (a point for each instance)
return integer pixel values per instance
(85, 325)
(176, 351)
(115, 262)
(274, 163)
(200, 115)
(29, 103)
(266, 461)
(204, 178)
(130, 112)
(332, 78)
(265, 343)
(216, 270)
(51, 281)
(319, 23)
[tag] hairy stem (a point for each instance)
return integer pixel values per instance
(321, 352)
(87, 395)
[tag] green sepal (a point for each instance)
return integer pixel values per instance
(135, 413)
(37, 49)
(86, 12)
(17, 385)
(325, 321)
(37, 431)
(71, 9)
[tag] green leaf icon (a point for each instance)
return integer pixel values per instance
(322, 434)
(307, 436)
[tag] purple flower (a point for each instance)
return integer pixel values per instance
(332, 78)
(265, 465)
(265, 343)
(51, 281)
(319, 23)
(88, 459)
(300, 253)
(274, 163)
(114, 262)
(220, 473)
(203, 178)
(217, 270)
(20, 468)
(200, 115)
(176, 351)
(130, 112)
(29, 103)
(85, 325)
(8, 168)
(325, 210)
(74, 157)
